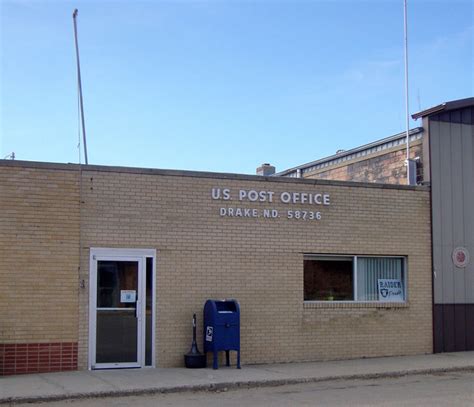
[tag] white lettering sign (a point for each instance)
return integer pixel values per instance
(263, 196)
(253, 195)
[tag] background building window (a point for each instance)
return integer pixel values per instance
(354, 278)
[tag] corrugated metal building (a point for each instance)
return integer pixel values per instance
(448, 157)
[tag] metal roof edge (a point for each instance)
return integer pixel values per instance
(426, 112)
(446, 106)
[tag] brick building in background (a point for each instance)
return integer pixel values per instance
(381, 161)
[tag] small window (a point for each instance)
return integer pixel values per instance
(354, 278)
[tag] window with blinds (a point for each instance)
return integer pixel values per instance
(354, 278)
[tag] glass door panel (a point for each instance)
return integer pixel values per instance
(118, 311)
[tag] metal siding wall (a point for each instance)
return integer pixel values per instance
(436, 211)
(452, 186)
(451, 142)
(446, 212)
(457, 203)
(467, 136)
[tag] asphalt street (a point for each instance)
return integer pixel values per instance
(443, 389)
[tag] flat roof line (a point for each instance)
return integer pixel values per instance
(199, 174)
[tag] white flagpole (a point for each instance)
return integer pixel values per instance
(74, 15)
(406, 91)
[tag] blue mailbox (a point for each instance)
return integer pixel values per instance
(222, 328)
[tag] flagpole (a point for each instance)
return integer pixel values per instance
(79, 83)
(406, 92)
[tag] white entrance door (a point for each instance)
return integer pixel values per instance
(117, 309)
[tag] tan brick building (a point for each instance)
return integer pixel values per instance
(104, 266)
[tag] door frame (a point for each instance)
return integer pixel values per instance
(139, 255)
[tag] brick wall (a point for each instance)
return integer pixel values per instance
(37, 357)
(201, 255)
(39, 231)
(386, 167)
(260, 262)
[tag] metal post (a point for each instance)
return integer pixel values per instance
(406, 91)
(74, 16)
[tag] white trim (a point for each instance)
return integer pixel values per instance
(141, 312)
(310, 256)
(114, 252)
(92, 306)
(405, 277)
(354, 278)
(154, 312)
(139, 255)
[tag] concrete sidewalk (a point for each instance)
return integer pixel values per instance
(101, 383)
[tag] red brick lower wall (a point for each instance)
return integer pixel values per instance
(37, 357)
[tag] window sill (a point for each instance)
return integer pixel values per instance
(353, 304)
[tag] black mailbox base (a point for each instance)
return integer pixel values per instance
(215, 364)
(195, 361)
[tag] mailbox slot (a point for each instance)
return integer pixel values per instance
(225, 307)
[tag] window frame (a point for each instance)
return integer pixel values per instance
(354, 257)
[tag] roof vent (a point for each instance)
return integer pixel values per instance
(266, 169)
(340, 151)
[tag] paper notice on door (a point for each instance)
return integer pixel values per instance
(128, 296)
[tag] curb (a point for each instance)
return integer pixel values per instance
(229, 385)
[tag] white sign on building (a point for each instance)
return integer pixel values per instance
(390, 290)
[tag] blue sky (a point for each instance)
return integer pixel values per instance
(223, 85)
